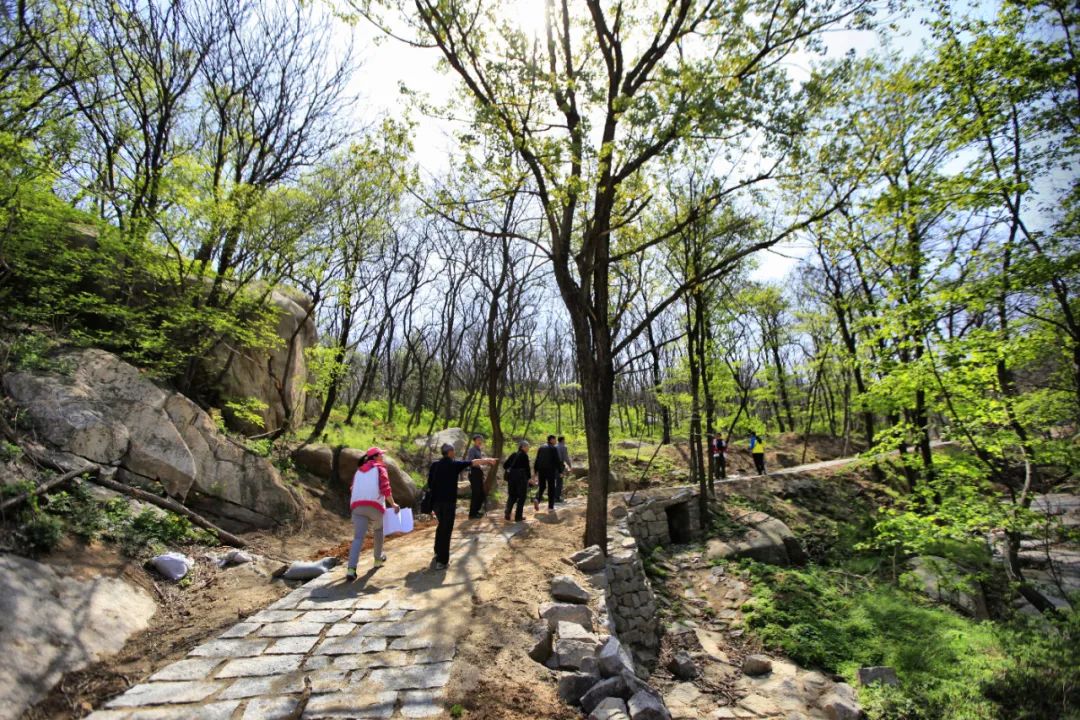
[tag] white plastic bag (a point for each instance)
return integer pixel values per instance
(307, 570)
(395, 523)
(173, 565)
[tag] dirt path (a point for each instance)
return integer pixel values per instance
(825, 464)
(381, 647)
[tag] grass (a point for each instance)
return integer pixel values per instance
(950, 667)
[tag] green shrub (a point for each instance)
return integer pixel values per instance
(39, 532)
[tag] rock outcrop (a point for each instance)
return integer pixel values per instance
(275, 377)
(455, 436)
(107, 412)
(945, 581)
(766, 540)
(55, 624)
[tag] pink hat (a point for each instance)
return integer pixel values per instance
(373, 451)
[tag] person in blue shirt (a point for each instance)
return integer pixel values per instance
(757, 450)
(442, 483)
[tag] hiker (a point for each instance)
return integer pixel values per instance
(564, 465)
(442, 482)
(546, 472)
(517, 480)
(369, 497)
(719, 455)
(476, 478)
(757, 450)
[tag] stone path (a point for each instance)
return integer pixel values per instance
(824, 464)
(381, 647)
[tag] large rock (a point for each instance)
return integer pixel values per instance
(554, 613)
(766, 540)
(107, 412)
(455, 436)
(239, 375)
(589, 560)
(572, 686)
(945, 581)
(878, 674)
(647, 705)
(613, 659)
(565, 588)
(610, 709)
(56, 624)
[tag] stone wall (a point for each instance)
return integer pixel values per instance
(650, 519)
(642, 523)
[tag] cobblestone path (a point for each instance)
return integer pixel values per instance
(381, 647)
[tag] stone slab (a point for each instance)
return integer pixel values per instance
(246, 687)
(189, 669)
(292, 645)
(211, 711)
(414, 642)
(230, 648)
(356, 706)
(271, 708)
(350, 645)
(291, 629)
(325, 616)
(422, 703)
(417, 677)
(240, 630)
(166, 693)
(266, 665)
(339, 629)
(270, 616)
(364, 616)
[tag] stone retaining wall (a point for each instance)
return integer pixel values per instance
(643, 523)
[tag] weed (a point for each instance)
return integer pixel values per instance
(457, 711)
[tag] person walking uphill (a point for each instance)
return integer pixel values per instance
(564, 466)
(757, 450)
(476, 478)
(368, 498)
(442, 482)
(546, 468)
(517, 480)
(719, 455)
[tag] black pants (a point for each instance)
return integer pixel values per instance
(759, 462)
(476, 489)
(551, 484)
(719, 466)
(444, 511)
(558, 488)
(517, 490)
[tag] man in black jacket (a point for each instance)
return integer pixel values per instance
(442, 482)
(546, 468)
(517, 480)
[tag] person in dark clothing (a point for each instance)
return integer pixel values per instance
(476, 478)
(719, 454)
(517, 480)
(442, 482)
(546, 470)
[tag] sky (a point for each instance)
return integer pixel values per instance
(388, 65)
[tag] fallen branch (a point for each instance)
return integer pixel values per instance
(171, 505)
(45, 487)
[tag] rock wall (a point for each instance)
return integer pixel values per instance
(270, 376)
(338, 465)
(642, 523)
(105, 411)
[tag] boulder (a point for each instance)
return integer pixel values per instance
(555, 613)
(589, 560)
(838, 707)
(613, 659)
(565, 588)
(878, 674)
(682, 666)
(54, 624)
(766, 540)
(107, 412)
(455, 436)
(572, 686)
(610, 709)
(647, 705)
(570, 654)
(756, 665)
(541, 642)
(258, 375)
(631, 444)
(945, 581)
(613, 687)
(315, 459)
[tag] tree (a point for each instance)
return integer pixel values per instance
(588, 109)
